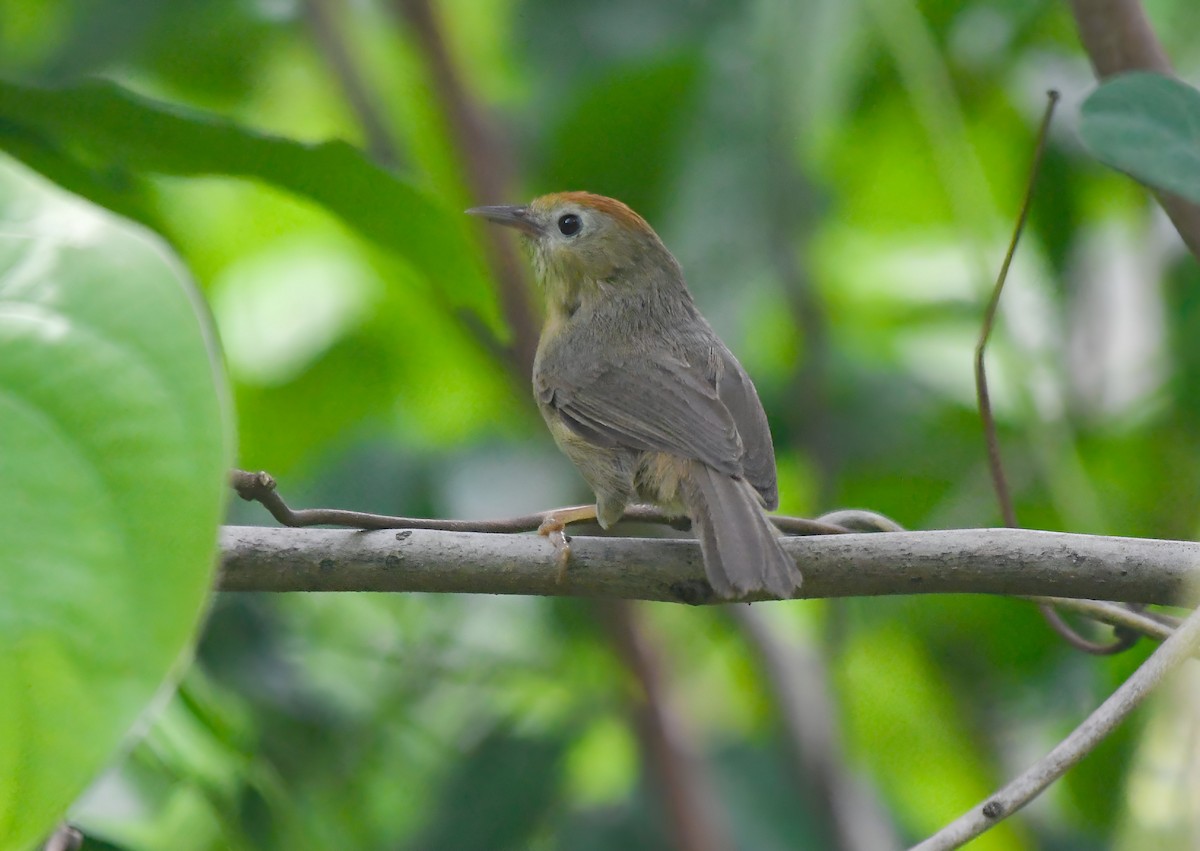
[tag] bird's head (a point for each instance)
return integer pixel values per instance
(582, 243)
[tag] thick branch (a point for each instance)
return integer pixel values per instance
(988, 561)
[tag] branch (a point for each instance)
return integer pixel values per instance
(1118, 38)
(261, 487)
(984, 561)
(1070, 750)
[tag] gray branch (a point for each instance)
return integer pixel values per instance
(1082, 741)
(984, 561)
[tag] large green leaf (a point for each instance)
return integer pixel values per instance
(1147, 125)
(98, 139)
(114, 445)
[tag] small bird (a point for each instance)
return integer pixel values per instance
(641, 394)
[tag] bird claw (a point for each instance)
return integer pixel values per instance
(554, 527)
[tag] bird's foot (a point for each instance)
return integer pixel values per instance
(554, 524)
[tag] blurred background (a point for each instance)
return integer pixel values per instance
(839, 180)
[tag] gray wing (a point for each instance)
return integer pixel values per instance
(661, 405)
(736, 391)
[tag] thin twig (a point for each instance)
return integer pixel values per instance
(1113, 614)
(1083, 740)
(995, 464)
(1125, 639)
(1153, 625)
(858, 520)
(261, 487)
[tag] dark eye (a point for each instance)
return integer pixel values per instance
(569, 224)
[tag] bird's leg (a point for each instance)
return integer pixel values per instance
(553, 525)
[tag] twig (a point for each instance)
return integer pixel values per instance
(858, 520)
(1125, 639)
(1015, 562)
(1118, 37)
(322, 22)
(995, 464)
(800, 682)
(694, 816)
(261, 487)
(1070, 750)
(1151, 625)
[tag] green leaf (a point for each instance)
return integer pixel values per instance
(1147, 125)
(114, 447)
(99, 139)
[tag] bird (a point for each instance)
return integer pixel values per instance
(641, 394)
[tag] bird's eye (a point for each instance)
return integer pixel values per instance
(569, 224)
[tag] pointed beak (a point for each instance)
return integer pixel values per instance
(512, 216)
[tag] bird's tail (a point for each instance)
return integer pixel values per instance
(741, 548)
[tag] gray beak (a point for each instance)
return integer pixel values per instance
(510, 215)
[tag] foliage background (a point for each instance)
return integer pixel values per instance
(838, 181)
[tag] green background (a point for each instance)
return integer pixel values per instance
(838, 181)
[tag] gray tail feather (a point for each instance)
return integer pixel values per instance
(741, 548)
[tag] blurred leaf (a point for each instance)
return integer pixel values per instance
(900, 714)
(214, 48)
(98, 32)
(98, 139)
(317, 399)
(186, 774)
(1147, 125)
(497, 795)
(113, 456)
